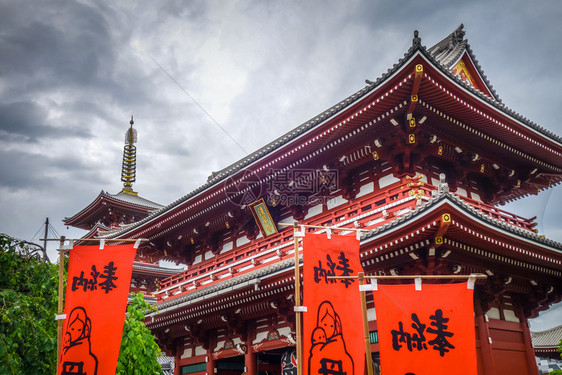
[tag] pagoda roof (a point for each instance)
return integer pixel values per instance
(548, 339)
(439, 57)
(90, 216)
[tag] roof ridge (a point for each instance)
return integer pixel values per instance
(449, 50)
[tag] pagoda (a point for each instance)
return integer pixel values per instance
(422, 159)
(109, 213)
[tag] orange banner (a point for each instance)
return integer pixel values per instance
(96, 299)
(332, 330)
(426, 332)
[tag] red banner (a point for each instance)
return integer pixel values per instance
(426, 332)
(96, 299)
(332, 329)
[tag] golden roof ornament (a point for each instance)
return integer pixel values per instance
(129, 166)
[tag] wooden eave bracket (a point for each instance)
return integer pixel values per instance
(443, 227)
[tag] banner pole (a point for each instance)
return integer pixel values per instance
(297, 301)
(60, 301)
(369, 360)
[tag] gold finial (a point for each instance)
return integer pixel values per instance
(129, 166)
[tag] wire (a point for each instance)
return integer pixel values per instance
(53, 230)
(198, 105)
(41, 227)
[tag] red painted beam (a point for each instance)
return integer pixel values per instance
(415, 88)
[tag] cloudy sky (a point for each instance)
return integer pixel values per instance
(73, 72)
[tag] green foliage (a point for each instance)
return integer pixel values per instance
(138, 349)
(28, 330)
(28, 305)
(557, 372)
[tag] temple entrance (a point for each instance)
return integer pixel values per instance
(230, 366)
(269, 361)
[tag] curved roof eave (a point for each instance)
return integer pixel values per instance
(549, 338)
(138, 202)
(333, 111)
(68, 220)
(449, 198)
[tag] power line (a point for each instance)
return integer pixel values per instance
(41, 227)
(53, 231)
(198, 105)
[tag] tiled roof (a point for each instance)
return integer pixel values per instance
(448, 51)
(547, 339)
(119, 197)
(134, 199)
(444, 194)
(159, 269)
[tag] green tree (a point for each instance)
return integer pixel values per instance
(138, 348)
(28, 330)
(558, 372)
(28, 304)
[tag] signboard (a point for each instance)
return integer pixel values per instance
(263, 218)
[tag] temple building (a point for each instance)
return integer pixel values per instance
(421, 158)
(111, 212)
(546, 343)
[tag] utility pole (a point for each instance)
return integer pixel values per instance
(45, 240)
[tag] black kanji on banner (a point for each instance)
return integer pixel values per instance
(321, 272)
(417, 340)
(90, 284)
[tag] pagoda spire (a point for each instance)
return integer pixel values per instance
(129, 167)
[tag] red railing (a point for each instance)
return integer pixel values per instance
(370, 211)
(507, 217)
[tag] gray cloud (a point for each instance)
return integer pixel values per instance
(39, 49)
(45, 174)
(27, 122)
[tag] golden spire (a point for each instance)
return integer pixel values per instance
(128, 170)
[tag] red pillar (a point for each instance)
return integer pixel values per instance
(529, 351)
(251, 361)
(179, 352)
(210, 363)
(485, 346)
